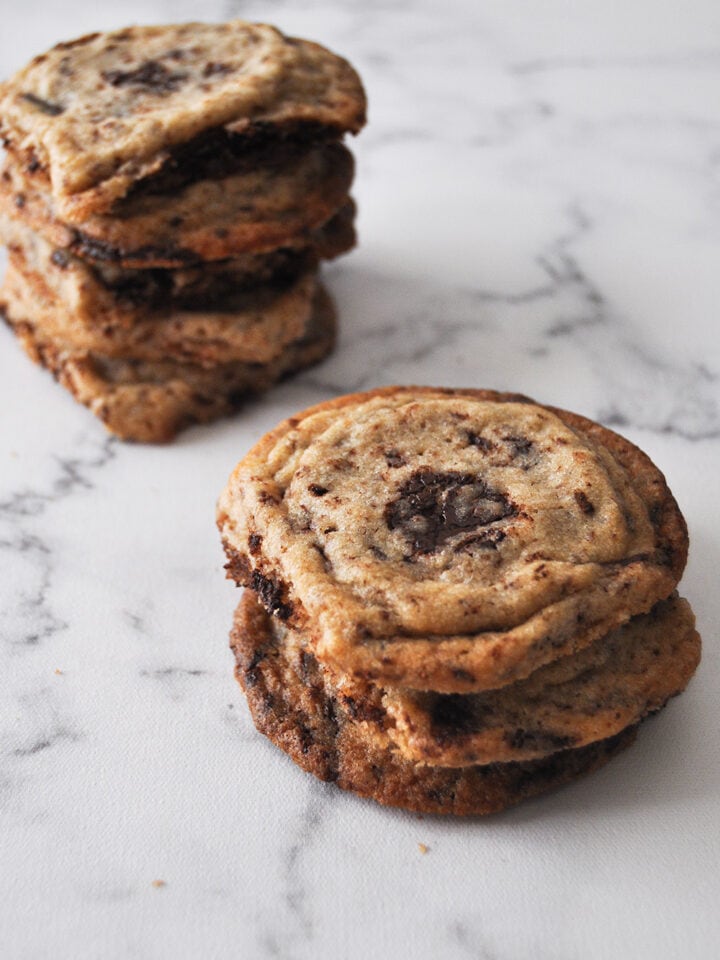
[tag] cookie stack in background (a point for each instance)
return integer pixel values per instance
(456, 599)
(167, 196)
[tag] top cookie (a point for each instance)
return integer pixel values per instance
(451, 540)
(108, 109)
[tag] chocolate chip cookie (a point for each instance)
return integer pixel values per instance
(450, 540)
(266, 205)
(167, 196)
(456, 598)
(104, 112)
(293, 702)
(150, 401)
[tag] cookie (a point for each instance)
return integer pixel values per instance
(294, 704)
(117, 295)
(572, 702)
(100, 113)
(450, 540)
(272, 202)
(151, 401)
(260, 326)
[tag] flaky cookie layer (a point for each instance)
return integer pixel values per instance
(293, 704)
(262, 325)
(102, 112)
(256, 210)
(151, 401)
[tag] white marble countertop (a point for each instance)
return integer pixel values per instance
(539, 193)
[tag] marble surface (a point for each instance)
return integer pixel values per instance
(539, 192)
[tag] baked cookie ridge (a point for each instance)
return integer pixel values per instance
(293, 704)
(257, 329)
(255, 210)
(152, 401)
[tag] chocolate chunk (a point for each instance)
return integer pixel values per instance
(270, 592)
(330, 715)
(452, 715)
(254, 543)
(316, 490)
(217, 153)
(152, 76)
(482, 443)
(522, 451)
(45, 106)
(431, 508)
(585, 505)
(92, 249)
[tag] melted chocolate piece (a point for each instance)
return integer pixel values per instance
(217, 153)
(45, 106)
(482, 443)
(221, 288)
(270, 592)
(451, 716)
(586, 506)
(152, 76)
(254, 543)
(92, 249)
(431, 508)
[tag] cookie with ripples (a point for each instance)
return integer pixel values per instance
(151, 400)
(167, 196)
(481, 580)
(158, 109)
(450, 540)
(350, 734)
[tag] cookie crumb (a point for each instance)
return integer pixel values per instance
(58, 672)
(158, 884)
(423, 848)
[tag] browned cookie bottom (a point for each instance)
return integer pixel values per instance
(293, 703)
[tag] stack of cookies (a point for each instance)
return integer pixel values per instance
(167, 195)
(455, 599)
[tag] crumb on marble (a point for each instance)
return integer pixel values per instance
(423, 847)
(159, 884)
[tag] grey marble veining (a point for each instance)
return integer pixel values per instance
(539, 197)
